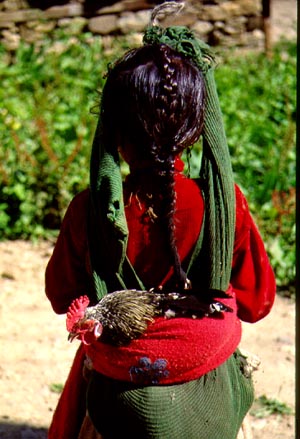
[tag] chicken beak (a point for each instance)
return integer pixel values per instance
(72, 336)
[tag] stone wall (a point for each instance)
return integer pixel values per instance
(219, 22)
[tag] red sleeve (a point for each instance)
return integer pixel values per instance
(252, 276)
(67, 272)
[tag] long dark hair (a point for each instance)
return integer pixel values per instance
(154, 100)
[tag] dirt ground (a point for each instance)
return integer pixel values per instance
(35, 354)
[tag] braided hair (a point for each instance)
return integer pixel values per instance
(153, 104)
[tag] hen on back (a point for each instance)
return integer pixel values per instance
(124, 315)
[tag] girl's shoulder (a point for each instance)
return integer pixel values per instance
(76, 214)
(81, 199)
(244, 221)
(79, 205)
(241, 206)
(241, 201)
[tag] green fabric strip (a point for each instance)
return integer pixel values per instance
(108, 230)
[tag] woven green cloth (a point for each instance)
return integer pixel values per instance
(108, 228)
(108, 231)
(212, 407)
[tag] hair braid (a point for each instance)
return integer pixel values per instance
(168, 210)
(165, 129)
(164, 150)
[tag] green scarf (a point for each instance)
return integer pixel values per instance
(109, 233)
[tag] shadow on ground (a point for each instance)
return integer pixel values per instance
(21, 431)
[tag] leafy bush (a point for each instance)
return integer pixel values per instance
(47, 129)
(258, 97)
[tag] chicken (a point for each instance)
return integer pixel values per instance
(124, 315)
(117, 318)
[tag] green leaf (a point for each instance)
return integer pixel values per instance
(264, 407)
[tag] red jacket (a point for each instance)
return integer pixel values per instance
(252, 281)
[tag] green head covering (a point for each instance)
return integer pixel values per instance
(211, 269)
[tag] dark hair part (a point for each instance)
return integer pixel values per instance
(153, 100)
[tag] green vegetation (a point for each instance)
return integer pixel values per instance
(56, 387)
(264, 407)
(258, 98)
(46, 130)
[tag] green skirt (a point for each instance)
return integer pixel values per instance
(211, 407)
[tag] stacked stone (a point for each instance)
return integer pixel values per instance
(219, 22)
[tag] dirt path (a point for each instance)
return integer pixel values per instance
(36, 354)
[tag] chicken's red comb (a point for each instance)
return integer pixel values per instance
(76, 311)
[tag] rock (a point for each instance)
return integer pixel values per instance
(125, 5)
(73, 26)
(231, 8)
(41, 26)
(104, 24)
(188, 19)
(10, 5)
(254, 23)
(202, 28)
(68, 10)
(214, 13)
(257, 36)
(250, 7)
(234, 27)
(19, 16)
(7, 275)
(30, 35)
(216, 38)
(10, 40)
(219, 25)
(133, 22)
